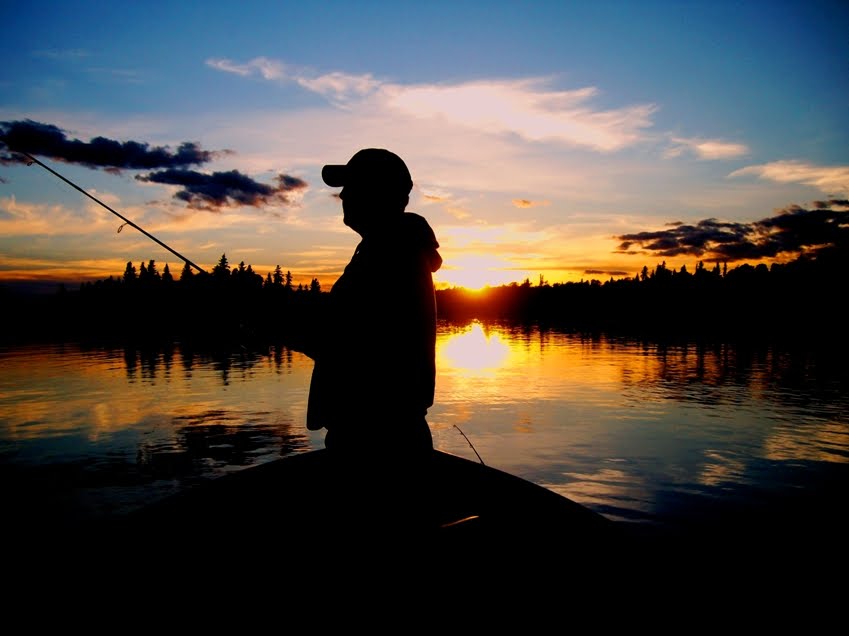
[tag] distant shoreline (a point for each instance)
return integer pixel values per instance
(798, 302)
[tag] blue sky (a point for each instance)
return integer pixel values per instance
(544, 138)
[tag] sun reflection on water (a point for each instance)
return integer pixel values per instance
(473, 352)
(636, 429)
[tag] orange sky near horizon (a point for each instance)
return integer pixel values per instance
(469, 270)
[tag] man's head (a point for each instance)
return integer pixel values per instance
(375, 184)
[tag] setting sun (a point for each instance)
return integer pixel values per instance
(476, 271)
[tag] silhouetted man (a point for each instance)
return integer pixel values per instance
(375, 368)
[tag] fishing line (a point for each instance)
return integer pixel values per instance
(470, 443)
(120, 216)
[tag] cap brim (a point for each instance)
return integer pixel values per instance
(334, 175)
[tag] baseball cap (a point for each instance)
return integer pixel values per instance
(370, 166)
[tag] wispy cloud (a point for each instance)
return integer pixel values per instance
(61, 54)
(336, 86)
(458, 212)
(22, 218)
(530, 108)
(128, 76)
(455, 208)
(527, 203)
(707, 148)
(509, 237)
(829, 179)
(266, 68)
(341, 86)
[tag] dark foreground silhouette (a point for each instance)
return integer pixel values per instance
(375, 353)
(322, 494)
(319, 525)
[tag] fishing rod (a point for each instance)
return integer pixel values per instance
(120, 216)
(470, 443)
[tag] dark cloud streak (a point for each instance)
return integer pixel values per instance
(604, 272)
(36, 138)
(794, 230)
(199, 191)
(225, 189)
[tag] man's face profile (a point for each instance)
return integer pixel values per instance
(364, 204)
(355, 199)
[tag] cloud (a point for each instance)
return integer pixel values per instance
(268, 69)
(226, 189)
(529, 108)
(61, 54)
(604, 272)
(707, 148)
(831, 203)
(36, 138)
(341, 86)
(200, 191)
(509, 237)
(458, 212)
(829, 179)
(792, 231)
(337, 86)
(796, 228)
(21, 219)
(527, 203)
(451, 205)
(129, 76)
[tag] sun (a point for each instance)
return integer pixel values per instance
(477, 271)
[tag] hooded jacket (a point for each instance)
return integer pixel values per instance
(375, 364)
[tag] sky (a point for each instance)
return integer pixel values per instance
(556, 141)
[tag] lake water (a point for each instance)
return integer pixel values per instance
(656, 436)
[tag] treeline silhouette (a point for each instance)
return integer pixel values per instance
(802, 300)
(228, 306)
(799, 300)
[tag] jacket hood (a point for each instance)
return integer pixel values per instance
(408, 232)
(417, 230)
